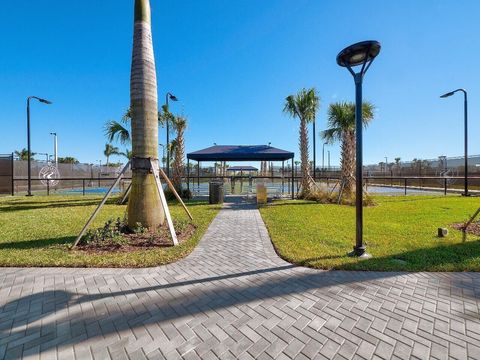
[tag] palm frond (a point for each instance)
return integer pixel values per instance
(127, 117)
(114, 131)
(179, 123)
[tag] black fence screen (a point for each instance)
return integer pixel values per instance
(6, 174)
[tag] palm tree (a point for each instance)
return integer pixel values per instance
(118, 130)
(23, 154)
(127, 153)
(109, 151)
(303, 105)
(67, 160)
(341, 127)
(144, 206)
(179, 125)
(397, 163)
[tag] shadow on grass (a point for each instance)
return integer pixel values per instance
(31, 205)
(37, 244)
(15, 205)
(452, 257)
(309, 262)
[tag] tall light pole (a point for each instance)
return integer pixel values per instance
(168, 96)
(29, 190)
(361, 53)
(323, 155)
(55, 147)
(465, 134)
(386, 164)
(443, 159)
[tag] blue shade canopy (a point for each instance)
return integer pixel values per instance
(242, 168)
(241, 153)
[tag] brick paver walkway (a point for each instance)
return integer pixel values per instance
(234, 298)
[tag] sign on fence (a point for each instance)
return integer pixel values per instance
(50, 175)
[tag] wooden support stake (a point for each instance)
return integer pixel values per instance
(179, 198)
(156, 169)
(467, 224)
(104, 200)
(125, 196)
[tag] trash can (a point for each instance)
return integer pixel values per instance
(261, 194)
(215, 192)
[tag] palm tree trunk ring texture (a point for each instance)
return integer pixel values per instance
(144, 206)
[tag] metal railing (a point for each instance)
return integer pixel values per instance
(284, 184)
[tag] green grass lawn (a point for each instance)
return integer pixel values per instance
(400, 232)
(36, 231)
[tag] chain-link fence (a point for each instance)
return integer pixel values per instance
(46, 177)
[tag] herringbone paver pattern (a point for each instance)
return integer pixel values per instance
(234, 298)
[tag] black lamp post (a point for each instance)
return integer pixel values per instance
(465, 114)
(361, 53)
(314, 150)
(172, 97)
(29, 190)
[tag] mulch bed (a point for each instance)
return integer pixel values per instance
(141, 241)
(473, 228)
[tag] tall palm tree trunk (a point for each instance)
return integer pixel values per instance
(144, 205)
(304, 156)
(179, 157)
(348, 162)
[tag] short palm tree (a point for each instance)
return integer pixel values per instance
(397, 163)
(109, 151)
(179, 125)
(118, 130)
(341, 127)
(304, 106)
(23, 154)
(68, 160)
(127, 153)
(144, 206)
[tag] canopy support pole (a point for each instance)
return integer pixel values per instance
(198, 176)
(188, 175)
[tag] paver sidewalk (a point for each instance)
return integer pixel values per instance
(234, 298)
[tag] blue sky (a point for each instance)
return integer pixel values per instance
(232, 63)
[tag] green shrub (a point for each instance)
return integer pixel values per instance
(184, 194)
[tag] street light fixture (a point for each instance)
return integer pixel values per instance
(362, 53)
(168, 96)
(29, 190)
(465, 130)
